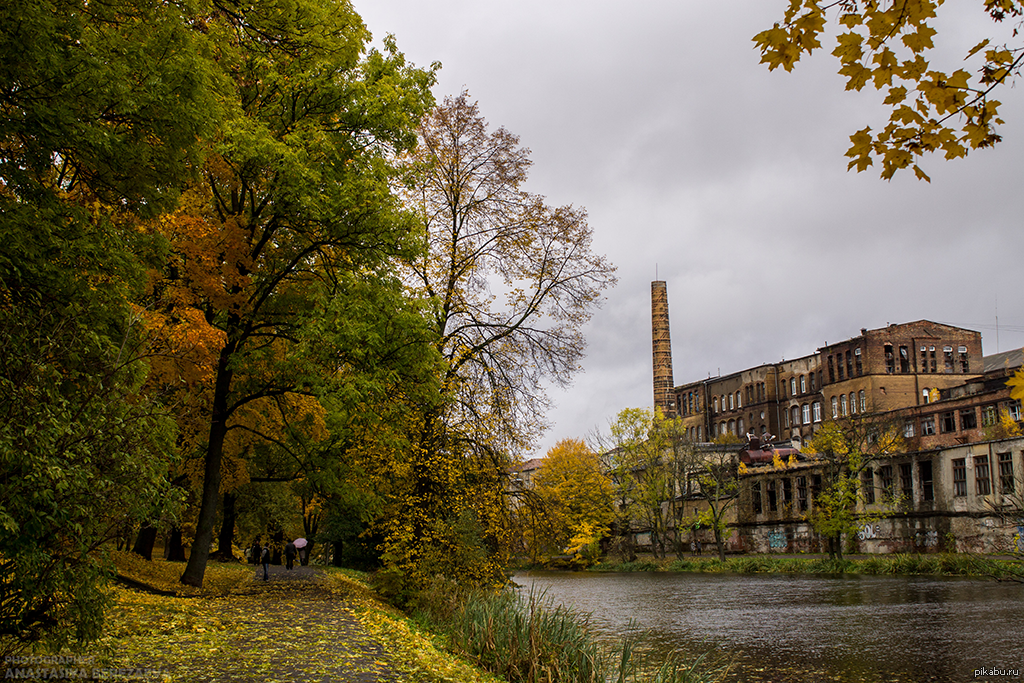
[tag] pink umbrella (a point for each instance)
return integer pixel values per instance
(300, 543)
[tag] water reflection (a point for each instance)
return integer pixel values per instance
(789, 629)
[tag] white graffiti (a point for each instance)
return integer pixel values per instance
(867, 532)
(928, 539)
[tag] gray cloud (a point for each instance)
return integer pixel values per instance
(693, 158)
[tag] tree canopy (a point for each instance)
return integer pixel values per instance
(885, 45)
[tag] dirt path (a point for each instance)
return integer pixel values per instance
(289, 628)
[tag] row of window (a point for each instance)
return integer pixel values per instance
(844, 370)
(803, 414)
(947, 422)
(842, 407)
(777, 494)
(983, 484)
(928, 359)
(884, 478)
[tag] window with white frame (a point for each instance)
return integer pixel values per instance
(806, 413)
(817, 411)
(853, 403)
(842, 405)
(863, 399)
(835, 408)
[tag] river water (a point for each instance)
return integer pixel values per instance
(781, 628)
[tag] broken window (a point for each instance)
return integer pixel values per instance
(787, 492)
(867, 483)
(1006, 483)
(849, 363)
(904, 359)
(773, 501)
(885, 474)
(857, 362)
(947, 358)
(755, 496)
(960, 477)
(931, 360)
(926, 395)
(924, 472)
(964, 365)
(928, 426)
(947, 422)
(968, 419)
(989, 416)
(908, 429)
(982, 475)
(1013, 408)
(801, 493)
(907, 483)
(890, 360)
(831, 371)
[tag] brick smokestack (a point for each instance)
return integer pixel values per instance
(662, 346)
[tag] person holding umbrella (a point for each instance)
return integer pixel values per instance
(301, 544)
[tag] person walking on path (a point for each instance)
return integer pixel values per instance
(289, 555)
(265, 560)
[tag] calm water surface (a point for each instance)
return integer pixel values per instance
(790, 629)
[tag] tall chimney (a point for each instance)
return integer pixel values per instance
(662, 346)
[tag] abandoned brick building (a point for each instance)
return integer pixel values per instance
(957, 484)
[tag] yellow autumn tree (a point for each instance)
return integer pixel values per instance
(573, 505)
(884, 45)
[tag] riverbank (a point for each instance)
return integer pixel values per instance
(301, 625)
(941, 564)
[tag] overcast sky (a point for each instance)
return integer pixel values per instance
(729, 182)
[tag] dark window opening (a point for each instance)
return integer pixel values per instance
(755, 493)
(856, 357)
(947, 358)
(924, 471)
(801, 493)
(968, 419)
(947, 423)
(964, 365)
(890, 360)
(831, 371)
(928, 426)
(904, 359)
(773, 502)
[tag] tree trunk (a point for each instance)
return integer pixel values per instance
(337, 553)
(226, 538)
(175, 548)
(200, 555)
(145, 541)
(720, 543)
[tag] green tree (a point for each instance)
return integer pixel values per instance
(885, 45)
(574, 500)
(845, 449)
(100, 114)
(719, 485)
(300, 214)
(651, 465)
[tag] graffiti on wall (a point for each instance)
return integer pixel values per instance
(928, 539)
(777, 540)
(867, 532)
